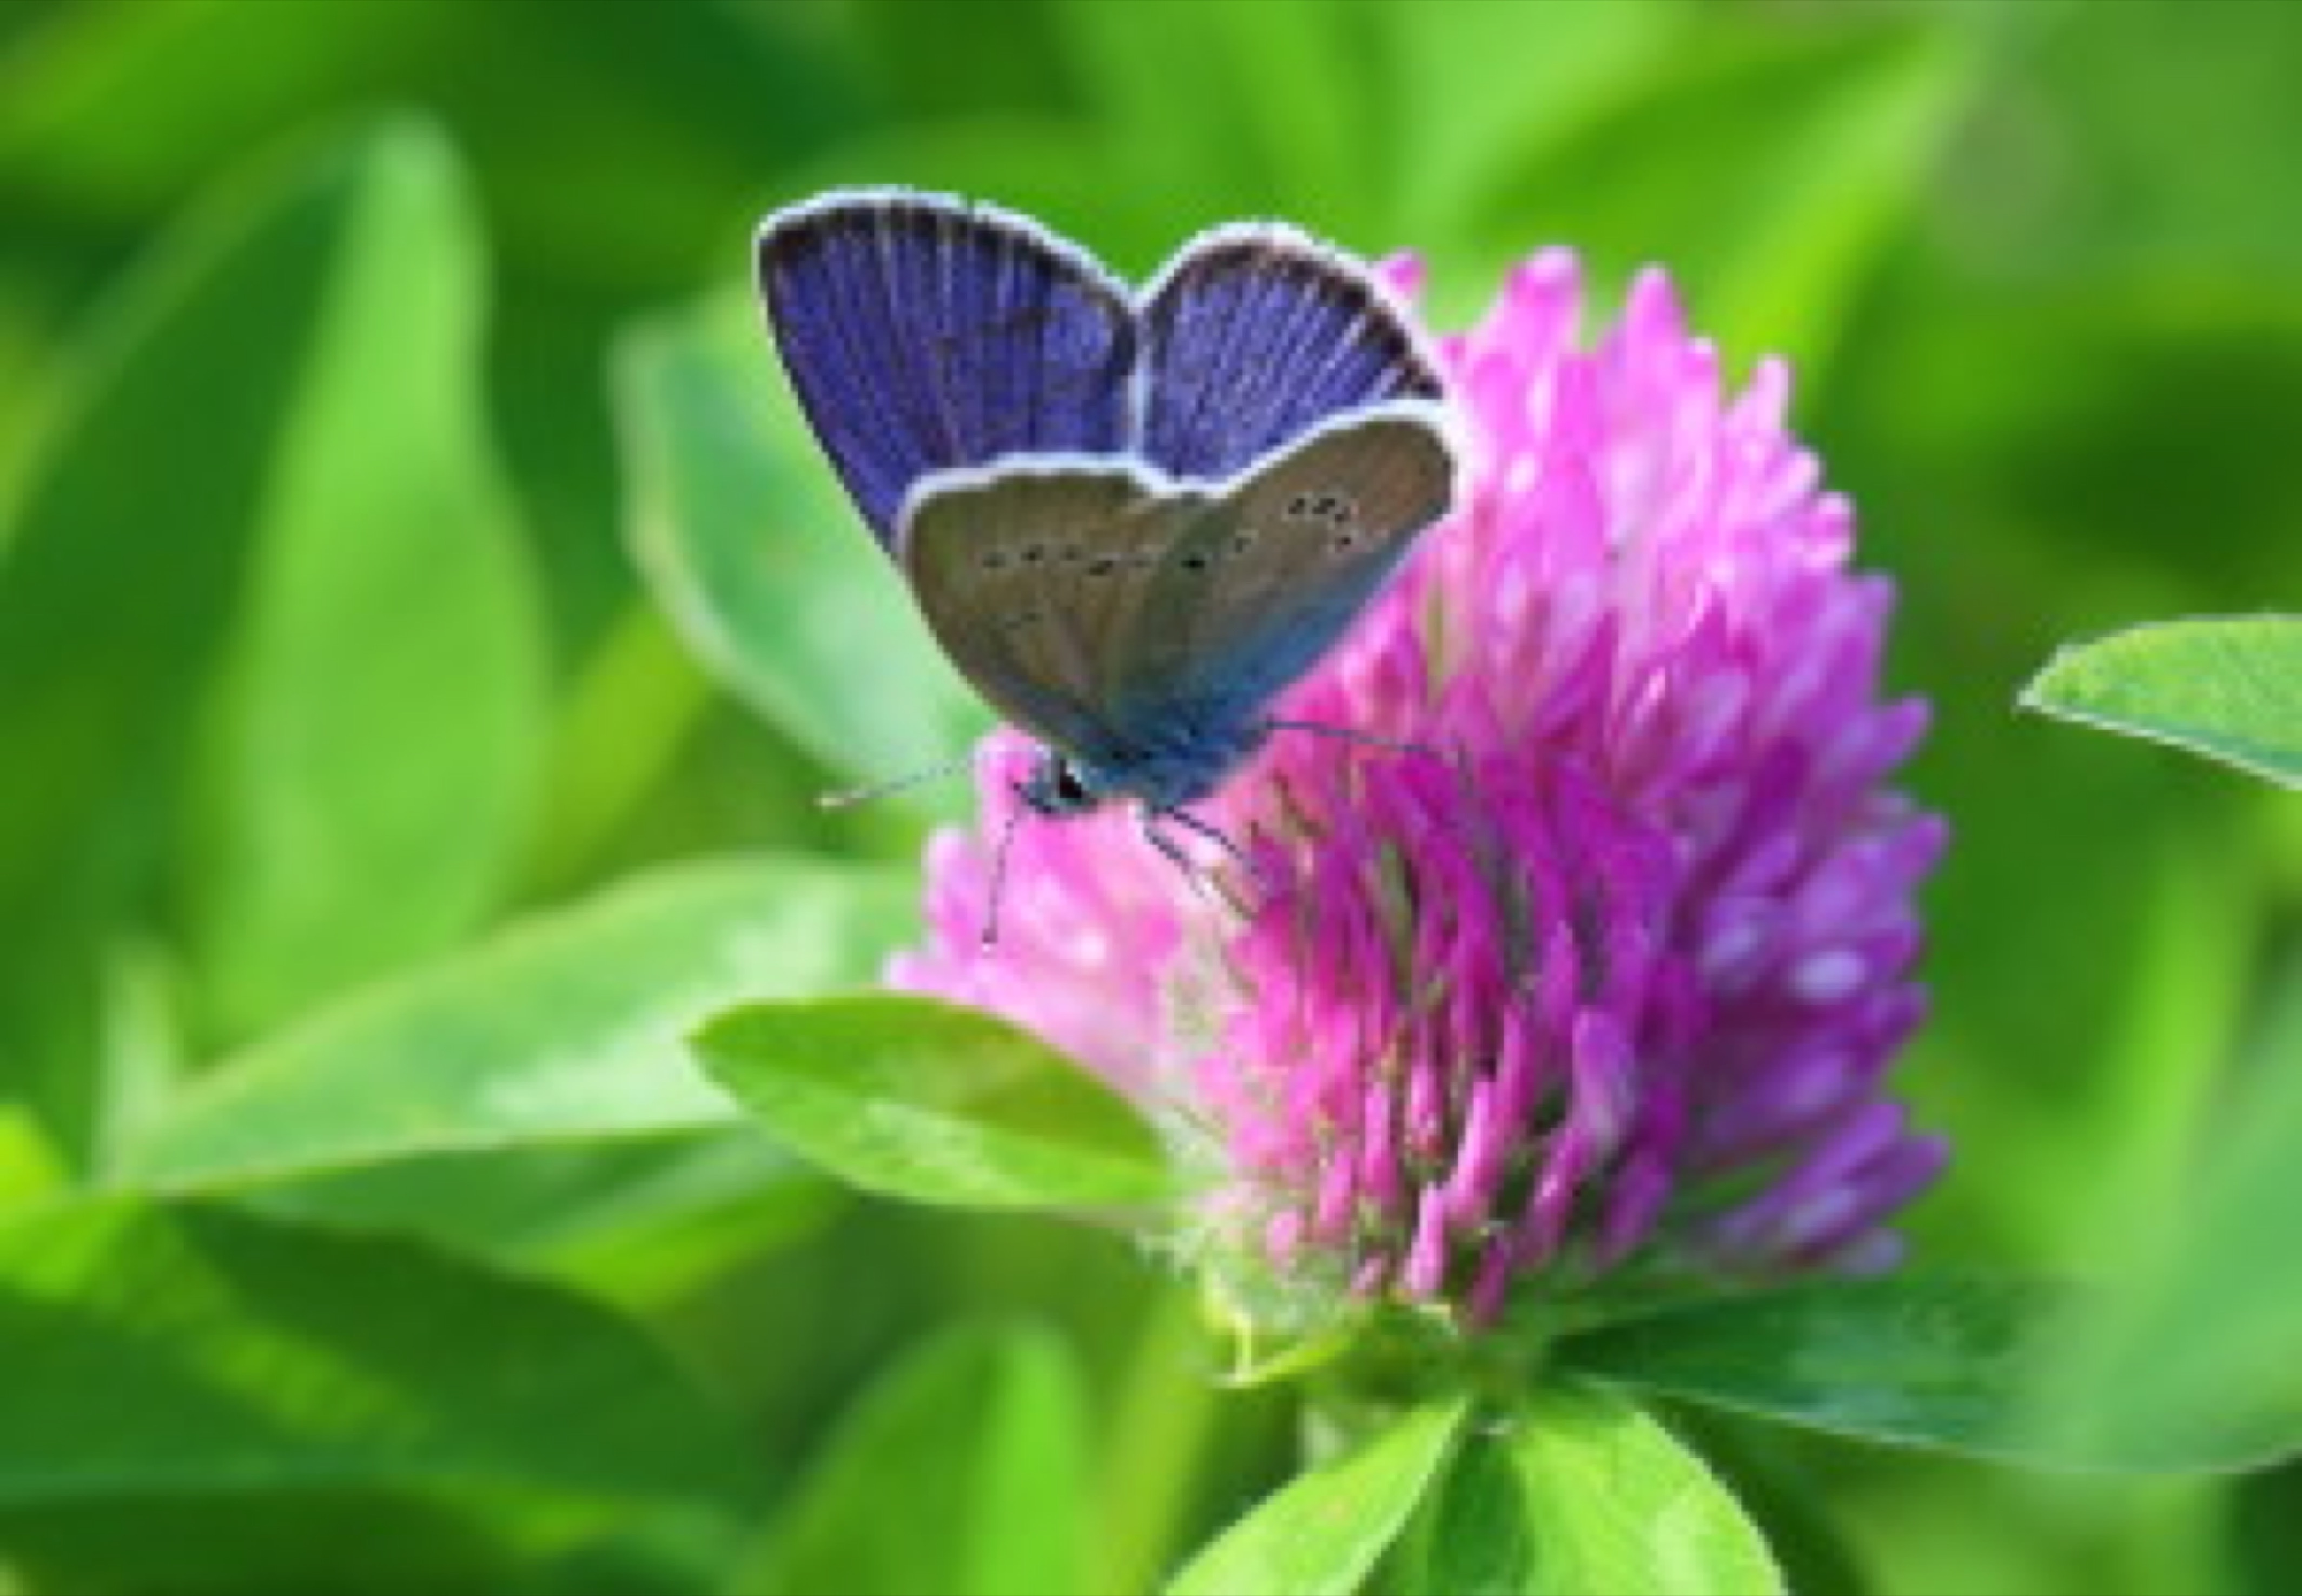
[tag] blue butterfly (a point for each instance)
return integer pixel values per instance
(1130, 520)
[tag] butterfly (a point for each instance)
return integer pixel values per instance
(1130, 518)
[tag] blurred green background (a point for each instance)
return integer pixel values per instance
(407, 536)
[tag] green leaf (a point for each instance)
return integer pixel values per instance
(153, 1348)
(2226, 688)
(100, 679)
(386, 611)
(668, 114)
(198, 1542)
(1164, 1404)
(1948, 1363)
(566, 1026)
(918, 1099)
(2196, 1337)
(1319, 1535)
(29, 1169)
(1491, 86)
(962, 1470)
(1580, 1491)
(748, 542)
(273, 428)
(630, 1219)
(995, 56)
(1230, 156)
(1288, 87)
(96, 105)
(1768, 169)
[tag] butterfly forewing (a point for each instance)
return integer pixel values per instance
(1254, 334)
(1269, 577)
(922, 333)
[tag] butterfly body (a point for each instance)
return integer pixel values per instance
(1179, 767)
(1130, 520)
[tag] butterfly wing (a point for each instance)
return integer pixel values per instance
(1104, 608)
(922, 333)
(1026, 573)
(1267, 578)
(1254, 334)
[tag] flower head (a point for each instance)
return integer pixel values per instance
(1606, 967)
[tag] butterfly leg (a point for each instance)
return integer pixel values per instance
(1199, 878)
(1166, 844)
(1201, 882)
(1192, 822)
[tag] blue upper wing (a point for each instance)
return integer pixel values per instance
(1253, 335)
(923, 333)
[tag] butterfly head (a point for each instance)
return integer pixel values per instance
(1057, 785)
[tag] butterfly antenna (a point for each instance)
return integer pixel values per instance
(999, 879)
(1347, 735)
(851, 796)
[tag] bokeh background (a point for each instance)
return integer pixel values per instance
(387, 446)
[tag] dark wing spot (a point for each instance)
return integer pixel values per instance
(995, 561)
(1194, 562)
(1033, 555)
(1101, 568)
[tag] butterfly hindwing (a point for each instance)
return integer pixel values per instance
(1026, 573)
(1272, 575)
(1101, 607)
(1254, 334)
(922, 333)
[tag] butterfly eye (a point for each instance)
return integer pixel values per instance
(1195, 562)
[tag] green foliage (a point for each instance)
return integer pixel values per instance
(1580, 1491)
(2113, 1389)
(1914, 1361)
(426, 624)
(959, 1470)
(918, 1099)
(1767, 170)
(2230, 689)
(564, 1028)
(752, 550)
(1320, 1535)
(382, 607)
(186, 1348)
(225, 618)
